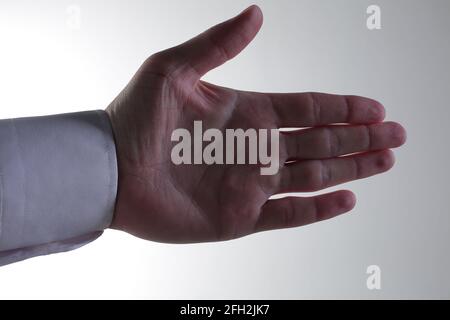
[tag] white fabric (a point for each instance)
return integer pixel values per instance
(58, 183)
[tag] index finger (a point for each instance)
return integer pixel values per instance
(311, 109)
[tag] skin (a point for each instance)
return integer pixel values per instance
(345, 139)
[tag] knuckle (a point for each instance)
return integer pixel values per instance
(269, 184)
(161, 59)
(289, 147)
(315, 108)
(288, 212)
(163, 64)
(314, 175)
(357, 170)
(368, 137)
(219, 50)
(327, 142)
(334, 143)
(285, 148)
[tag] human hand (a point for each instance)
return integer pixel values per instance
(161, 201)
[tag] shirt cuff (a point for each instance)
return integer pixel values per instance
(58, 183)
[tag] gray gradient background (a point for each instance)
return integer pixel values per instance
(401, 221)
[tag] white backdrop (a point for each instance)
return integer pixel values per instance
(62, 56)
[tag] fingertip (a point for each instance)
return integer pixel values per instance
(254, 12)
(253, 9)
(336, 203)
(398, 133)
(376, 112)
(346, 200)
(381, 110)
(385, 160)
(365, 110)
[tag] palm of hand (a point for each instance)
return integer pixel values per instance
(158, 200)
(186, 203)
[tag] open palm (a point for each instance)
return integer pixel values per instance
(345, 139)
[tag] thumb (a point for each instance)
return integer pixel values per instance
(218, 44)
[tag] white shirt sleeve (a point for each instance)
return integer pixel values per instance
(58, 183)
